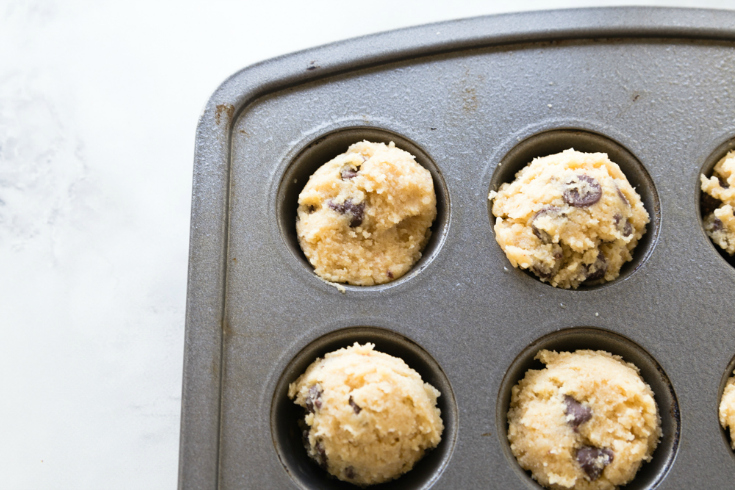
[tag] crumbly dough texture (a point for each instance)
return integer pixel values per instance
(727, 409)
(365, 216)
(369, 418)
(720, 223)
(569, 218)
(585, 421)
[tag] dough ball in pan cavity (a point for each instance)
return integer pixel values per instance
(369, 417)
(571, 218)
(585, 421)
(365, 216)
(727, 409)
(718, 203)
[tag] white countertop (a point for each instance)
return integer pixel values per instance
(98, 107)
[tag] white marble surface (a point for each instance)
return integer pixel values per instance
(98, 106)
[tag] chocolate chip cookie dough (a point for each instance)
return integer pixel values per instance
(585, 421)
(369, 417)
(365, 216)
(719, 221)
(727, 409)
(570, 218)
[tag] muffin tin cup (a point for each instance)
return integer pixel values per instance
(320, 149)
(729, 372)
(556, 140)
(569, 340)
(472, 99)
(707, 169)
(285, 414)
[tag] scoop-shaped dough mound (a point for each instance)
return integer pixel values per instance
(365, 216)
(569, 218)
(369, 417)
(727, 409)
(720, 223)
(585, 421)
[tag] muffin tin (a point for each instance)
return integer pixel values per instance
(473, 100)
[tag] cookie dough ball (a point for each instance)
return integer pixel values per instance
(720, 222)
(369, 417)
(570, 218)
(727, 409)
(585, 421)
(365, 216)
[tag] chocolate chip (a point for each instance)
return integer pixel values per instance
(356, 210)
(320, 449)
(716, 224)
(543, 274)
(597, 270)
(320, 455)
(622, 196)
(593, 460)
(313, 400)
(577, 414)
(348, 173)
(723, 183)
(545, 271)
(350, 473)
(583, 192)
(355, 406)
(627, 229)
(390, 274)
(541, 234)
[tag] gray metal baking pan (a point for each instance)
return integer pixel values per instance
(474, 100)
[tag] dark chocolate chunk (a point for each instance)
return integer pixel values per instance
(357, 211)
(543, 274)
(627, 229)
(593, 460)
(716, 224)
(583, 192)
(313, 400)
(541, 234)
(348, 173)
(577, 414)
(390, 274)
(355, 406)
(597, 270)
(320, 455)
(545, 271)
(723, 183)
(350, 473)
